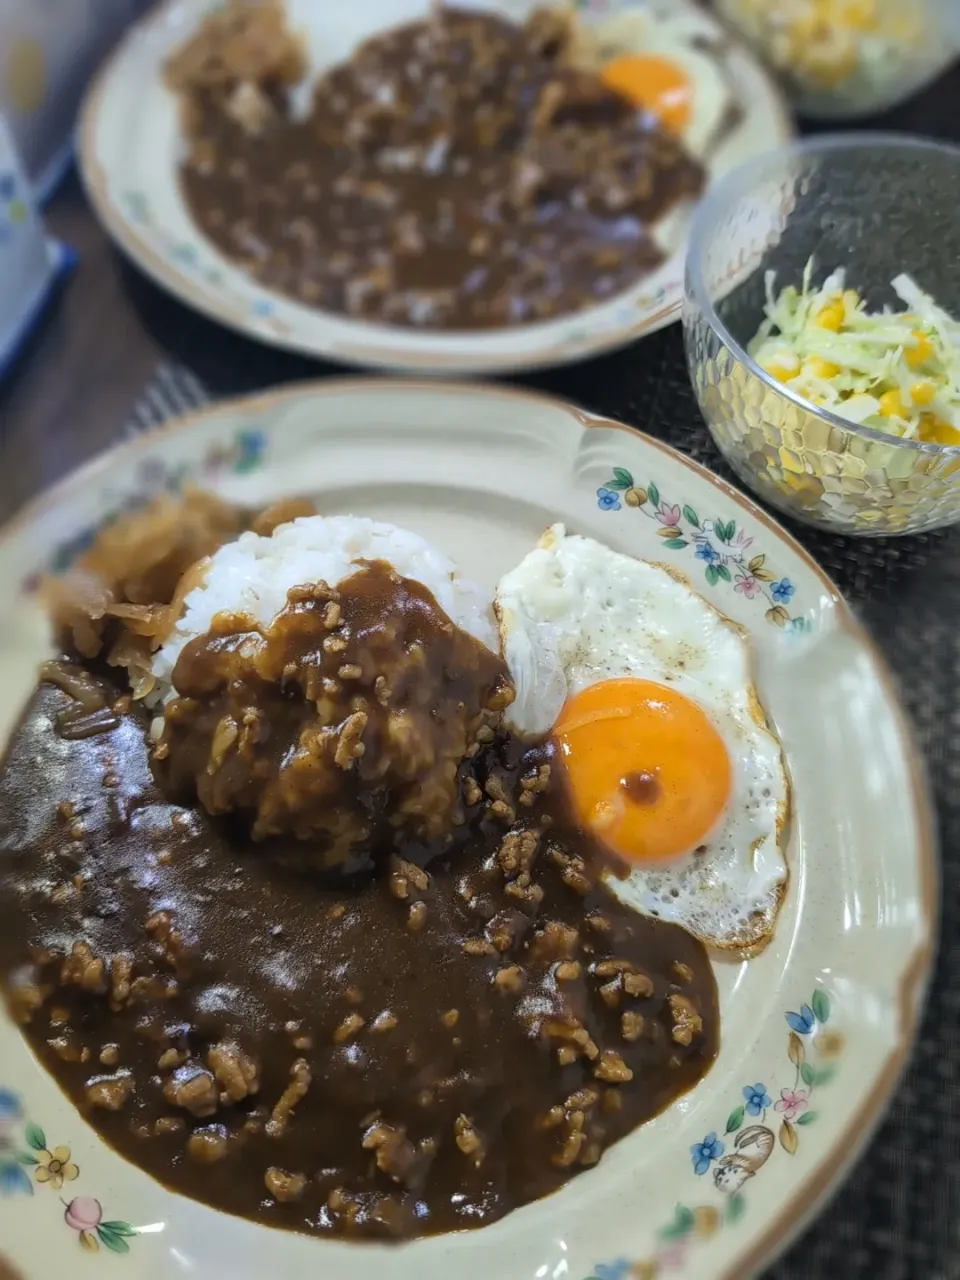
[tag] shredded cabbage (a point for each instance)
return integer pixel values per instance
(896, 371)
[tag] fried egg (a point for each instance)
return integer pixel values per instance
(660, 65)
(662, 742)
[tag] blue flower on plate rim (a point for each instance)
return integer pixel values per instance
(706, 551)
(184, 254)
(782, 591)
(704, 1153)
(607, 500)
(13, 1179)
(618, 1269)
(252, 440)
(757, 1098)
(11, 1113)
(10, 1106)
(249, 450)
(803, 1022)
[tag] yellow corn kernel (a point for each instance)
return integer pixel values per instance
(826, 65)
(905, 30)
(922, 392)
(891, 404)
(782, 365)
(935, 430)
(831, 317)
(921, 352)
(818, 368)
(860, 15)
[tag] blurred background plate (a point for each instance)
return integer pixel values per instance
(129, 147)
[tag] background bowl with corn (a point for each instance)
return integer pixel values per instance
(844, 58)
(867, 455)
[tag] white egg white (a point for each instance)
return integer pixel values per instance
(574, 612)
(633, 31)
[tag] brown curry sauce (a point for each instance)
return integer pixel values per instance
(410, 1051)
(455, 173)
(345, 719)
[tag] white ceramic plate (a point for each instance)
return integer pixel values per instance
(814, 1031)
(129, 141)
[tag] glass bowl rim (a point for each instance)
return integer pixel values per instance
(743, 179)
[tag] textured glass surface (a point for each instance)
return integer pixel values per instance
(876, 206)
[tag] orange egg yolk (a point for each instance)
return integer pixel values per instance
(649, 774)
(655, 83)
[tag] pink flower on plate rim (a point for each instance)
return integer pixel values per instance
(668, 515)
(741, 541)
(748, 587)
(673, 1257)
(791, 1103)
(83, 1213)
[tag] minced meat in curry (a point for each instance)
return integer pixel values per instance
(414, 1051)
(421, 1047)
(456, 173)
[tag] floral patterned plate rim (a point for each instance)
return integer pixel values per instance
(814, 1031)
(128, 141)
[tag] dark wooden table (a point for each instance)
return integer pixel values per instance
(75, 383)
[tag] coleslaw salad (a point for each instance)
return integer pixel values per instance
(895, 371)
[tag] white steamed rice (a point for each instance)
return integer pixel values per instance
(254, 574)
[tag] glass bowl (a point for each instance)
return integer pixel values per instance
(847, 58)
(878, 205)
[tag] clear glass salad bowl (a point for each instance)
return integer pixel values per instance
(878, 205)
(848, 58)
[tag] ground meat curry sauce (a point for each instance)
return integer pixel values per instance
(419, 1046)
(350, 713)
(455, 173)
(410, 1051)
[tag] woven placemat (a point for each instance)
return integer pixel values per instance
(898, 1216)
